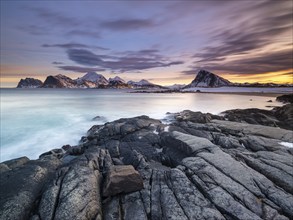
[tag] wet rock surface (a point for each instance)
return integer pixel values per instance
(199, 166)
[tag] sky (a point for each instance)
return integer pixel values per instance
(165, 42)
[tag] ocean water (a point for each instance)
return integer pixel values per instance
(34, 121)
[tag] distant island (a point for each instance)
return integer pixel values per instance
(203, 79)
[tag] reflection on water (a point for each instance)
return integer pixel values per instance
(37, 120)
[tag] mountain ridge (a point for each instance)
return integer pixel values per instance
(202, 79)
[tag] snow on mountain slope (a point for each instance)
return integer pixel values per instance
(94, 77)
(117, 79)
(207, 79)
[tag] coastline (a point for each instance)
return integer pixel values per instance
(197, 156)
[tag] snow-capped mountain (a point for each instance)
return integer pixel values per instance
(143, 84)
(59, 81)
(117, 79)
(176, 86)
(29, 83)
(207, 79)
(118, 83)
(93, 77)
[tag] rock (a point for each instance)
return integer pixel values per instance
(100, 118)
(66, 147)
(14, 163)
(259, 130)
(285, 98)
(20, 188)
(285, 115)
(196, 117)
(76, 150)
(252, 116)
(4, 168)
(74, 192)
(58, 153)
(269, 101)
(122, 179)
(200, 166)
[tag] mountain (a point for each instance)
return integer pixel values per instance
(143, 84)
(59, 81)
(118, 83)
(176, 86)
(207, 79)
(117, 79)
(93, 80)
(29, 83)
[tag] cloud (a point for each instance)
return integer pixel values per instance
(127, 24)
(144, 59)
(34, 29)
(73, 45)
(193, 71)
(258, 43)
(55, 18)
(266, 62)
(57, 63)
(80, 69)
(84, 33)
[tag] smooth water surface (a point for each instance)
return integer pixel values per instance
(34, 121)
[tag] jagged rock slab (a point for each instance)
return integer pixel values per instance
(122, 179)
(21, 186)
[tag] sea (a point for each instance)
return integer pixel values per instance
(34, 121)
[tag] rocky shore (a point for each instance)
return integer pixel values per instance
(238, 165)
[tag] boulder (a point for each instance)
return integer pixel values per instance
(288, 98)
(16, 162)
(122, 179)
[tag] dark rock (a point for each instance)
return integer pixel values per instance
(258, 130)
(252, 116)
(76, 150)
(122, 179)
(74, 192)
(14, 163)
(66, 147)
(269, 101)
(21, 187)
(100, 118)
(285, 98)
(200, 166)
(285, 115)
(58, 153)
(96, 118)
(196, 117)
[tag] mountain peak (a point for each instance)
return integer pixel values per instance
(29, 83)
(117, 79)
(205, 78)
(93, 77)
